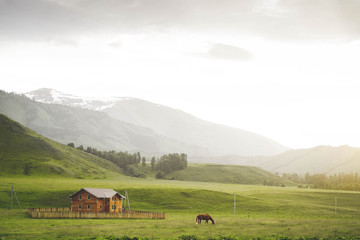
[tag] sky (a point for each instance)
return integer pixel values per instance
(287, 70)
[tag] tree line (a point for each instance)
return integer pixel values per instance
(340, 181)
(164, 165)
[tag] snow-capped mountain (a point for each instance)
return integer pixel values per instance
(174, 124)
(51, 96)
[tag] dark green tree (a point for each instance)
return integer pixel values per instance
(71, 145)
(153, 162)
(143, 161)
(80, 147)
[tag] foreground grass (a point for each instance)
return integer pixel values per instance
(260, 211)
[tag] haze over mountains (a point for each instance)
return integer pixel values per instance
(207, 138)
(130, 124)
(86, 127)
(320, 159)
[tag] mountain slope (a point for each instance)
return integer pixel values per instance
(174, 124)
(23, 151)
(226, 174)
(90, 128)
(320, 159)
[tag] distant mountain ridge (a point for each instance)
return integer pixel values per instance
(320, 159)
(174, 124)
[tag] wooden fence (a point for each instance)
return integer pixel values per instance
(66, 213)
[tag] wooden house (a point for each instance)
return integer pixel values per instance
(96, 200)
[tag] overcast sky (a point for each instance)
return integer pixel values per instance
(288, 70)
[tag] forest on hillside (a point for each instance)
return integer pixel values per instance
(165, 164)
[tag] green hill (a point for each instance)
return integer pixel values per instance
(226, 174)
(218, 173)
(23, 151)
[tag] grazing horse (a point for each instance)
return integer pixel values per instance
(205, 217)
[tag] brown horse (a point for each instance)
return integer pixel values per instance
(205, 217)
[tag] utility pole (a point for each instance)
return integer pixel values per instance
(234, 203)
(127, 200)
(12, 194)
(335, 204)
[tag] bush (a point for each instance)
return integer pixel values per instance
(159, 175)
(188, 237)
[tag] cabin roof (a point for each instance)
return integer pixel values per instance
(99, 192)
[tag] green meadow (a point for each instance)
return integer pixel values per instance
(260, 211)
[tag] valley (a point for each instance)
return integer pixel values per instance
(245, 201)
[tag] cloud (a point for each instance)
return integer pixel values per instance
(116, 44)
(223, 51)
(296, 20)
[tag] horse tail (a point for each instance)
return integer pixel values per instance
(197, 219)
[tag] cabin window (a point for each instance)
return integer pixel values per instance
(112, 198)
(100, 207)
(88, 206)
(115, 198)
(79, 207)
(115, 207)
(89, 197)
(79, 196)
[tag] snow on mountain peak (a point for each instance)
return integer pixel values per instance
(51, 96)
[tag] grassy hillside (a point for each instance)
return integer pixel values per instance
(23, 151)
(226, 174)
(217, 173)
(261, 212)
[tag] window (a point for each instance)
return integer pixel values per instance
(89, 196)
(79, 207)
(115, 198)
(100, 207)
(88, 206)
(115, 207)
(79, 196)
(112, 198)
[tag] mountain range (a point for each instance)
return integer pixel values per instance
(25, 152)
(319, 159)
(192, 135)
(81, 126)
(130, 124)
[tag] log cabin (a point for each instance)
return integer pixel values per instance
(96, 200)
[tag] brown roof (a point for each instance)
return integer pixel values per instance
(100, 192)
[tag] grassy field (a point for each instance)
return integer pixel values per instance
(217, 173)
(265, 212)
